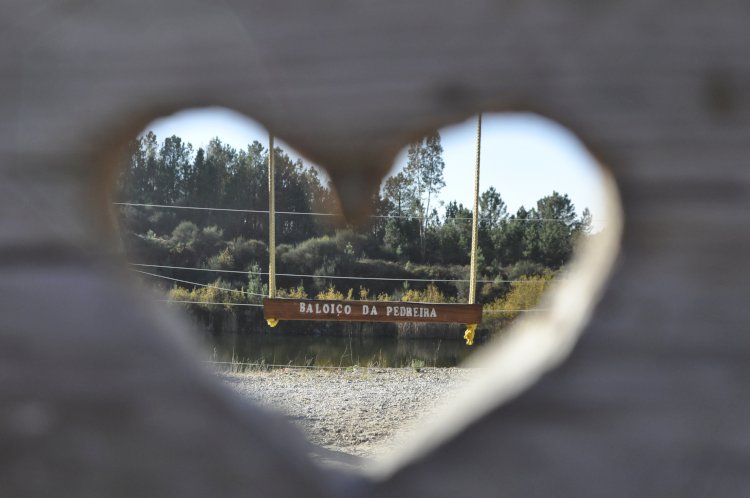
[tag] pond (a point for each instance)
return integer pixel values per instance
(309, 350)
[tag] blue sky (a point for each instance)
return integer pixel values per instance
(524, 156)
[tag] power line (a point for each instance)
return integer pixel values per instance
(196, 208)
(302, 213)
(301, 275)
(253, 305)
(199, 284)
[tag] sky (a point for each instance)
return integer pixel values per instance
(524, 156)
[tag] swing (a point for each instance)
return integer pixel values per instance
(275, 309)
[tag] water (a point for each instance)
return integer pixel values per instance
(309, 350)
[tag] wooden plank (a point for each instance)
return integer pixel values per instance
(371, 311)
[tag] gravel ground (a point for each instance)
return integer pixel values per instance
(351, 413)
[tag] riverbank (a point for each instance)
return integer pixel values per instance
(358, 412)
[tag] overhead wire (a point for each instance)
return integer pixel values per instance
(312, 213)
(340, 277)
(295, 275)
(254, 305)
(263, 295)
(199, 284)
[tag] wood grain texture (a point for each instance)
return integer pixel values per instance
(653, 399)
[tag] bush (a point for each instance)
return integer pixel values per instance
(293, 292)
(247, 252)
(523, 295)
(526, 268)
(356, 245)
(222, 261)
(429, 295)
(184, 237)
(311, 255)
(334, 295)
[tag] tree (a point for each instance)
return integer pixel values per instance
(455, 235)
(586, 221)
(508, 241)
(132, 174)
(247, 188)
(529, 242)
(402, 230)
(492, 213)
(556, 229)
(424, 174)
(150, 172)
(492, 209)
(174, 165)
(399, 192)
(293, 195)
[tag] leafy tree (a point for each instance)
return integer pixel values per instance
(293, 192)
(209, 181)
(585, 223)
(508, 241)
(424, 174)
(399, 193)
(246, 188)
(401, 238)
(401, 228)
(492, 213)
(492, 209)
(455, 235)
(148, 174)
(555, 231)
(173, 164)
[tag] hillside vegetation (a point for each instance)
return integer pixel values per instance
(218, 258)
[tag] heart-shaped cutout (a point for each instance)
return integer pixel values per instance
(186, 232)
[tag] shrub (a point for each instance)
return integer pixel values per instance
(526, 268)
(222, 261)
(293, 292)
(431, 294)
(247, 252)
(523, 295)
(332, 294)
(184, 236)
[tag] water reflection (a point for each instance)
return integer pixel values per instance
(308, 350)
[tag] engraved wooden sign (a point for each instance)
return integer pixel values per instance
(371, 311)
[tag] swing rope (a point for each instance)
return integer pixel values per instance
(472, 327)
(272, 322)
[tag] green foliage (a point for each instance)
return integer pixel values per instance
(410, 239)
(222, 261)
(310, 255)
(218, 292)
(524, 294)
(526, 268)
(248, 252)
(429, 295)
(184, 236)
(331, 293)
(424, 174)
(292, 293)
(255, 286)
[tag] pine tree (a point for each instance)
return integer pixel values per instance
(424, 173)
